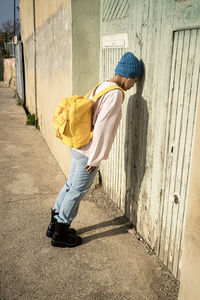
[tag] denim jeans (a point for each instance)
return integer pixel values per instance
(78, 183)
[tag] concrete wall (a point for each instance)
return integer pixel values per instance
(190, 262)
(53, 64)
(26, 20)
(85, 45)
(9, 72)
(1, 63)
(56, 58)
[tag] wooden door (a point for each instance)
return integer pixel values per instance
(183, 97)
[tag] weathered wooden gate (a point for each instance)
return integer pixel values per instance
(148, 169)
(113, 169)
(183, 96)
(113, 47)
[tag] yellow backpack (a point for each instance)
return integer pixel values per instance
(73, 117)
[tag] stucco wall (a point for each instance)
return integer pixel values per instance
(86, 45)
(53, 64)
(190, 262)
(9, 72)
(56, 58)
(26, 21)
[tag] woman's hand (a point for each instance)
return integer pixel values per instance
(90, 169)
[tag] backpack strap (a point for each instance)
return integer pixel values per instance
(104, 91)
(87, 95)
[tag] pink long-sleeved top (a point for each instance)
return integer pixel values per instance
(106, 115)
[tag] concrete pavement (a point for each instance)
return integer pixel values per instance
(110, 264)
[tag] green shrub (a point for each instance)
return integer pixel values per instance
(19, 102)
(30, 120)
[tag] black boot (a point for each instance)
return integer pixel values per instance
(63, 238)
(51, 227)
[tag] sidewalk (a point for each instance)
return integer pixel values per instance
(110, 264)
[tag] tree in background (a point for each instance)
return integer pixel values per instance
(8, 27)
(6, 36)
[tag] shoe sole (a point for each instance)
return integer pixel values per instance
(64, 245)
(49, 234)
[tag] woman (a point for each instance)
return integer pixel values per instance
(106, 115)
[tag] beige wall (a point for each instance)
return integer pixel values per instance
(55, 58)
(86, 45)
(9, 72)
(190, 262)
(26, 20)
(53, 64)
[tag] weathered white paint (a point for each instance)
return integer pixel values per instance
(115, 9)
(110, 168)
(183, 97)
(142, 175)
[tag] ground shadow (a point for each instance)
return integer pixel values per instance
(123, 221)
(137, 117)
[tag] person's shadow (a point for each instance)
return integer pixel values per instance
(119, 225)
(137, 117)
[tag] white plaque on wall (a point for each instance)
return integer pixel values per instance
(119, 40)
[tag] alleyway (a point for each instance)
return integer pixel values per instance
(110, 264)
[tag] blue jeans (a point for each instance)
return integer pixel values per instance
(78, 183)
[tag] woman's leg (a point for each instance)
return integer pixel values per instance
(79, 185)
(66, 187)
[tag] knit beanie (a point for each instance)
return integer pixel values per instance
(129, 66)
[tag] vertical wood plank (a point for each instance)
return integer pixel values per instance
(165, 93)
(192, 95)
(175, 137)
(168, 156)
(183, 99)
(179, 147)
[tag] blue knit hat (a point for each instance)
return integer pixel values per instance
(129, 66)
